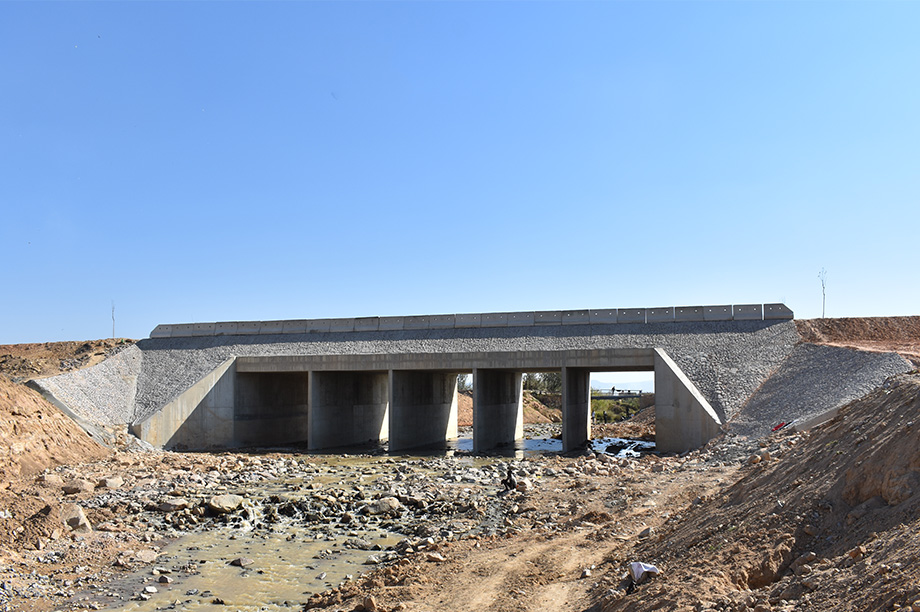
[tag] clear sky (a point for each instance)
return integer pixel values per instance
(213, 161)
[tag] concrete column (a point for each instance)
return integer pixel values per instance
(576, 407)
(270, 408)
(498, 409)
(684, 420)
(423, 409)
(347, 409)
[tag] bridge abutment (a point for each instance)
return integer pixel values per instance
(498, 409)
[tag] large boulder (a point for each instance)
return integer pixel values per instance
(384, 505)
(223, 504)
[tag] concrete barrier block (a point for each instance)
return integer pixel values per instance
(248, 327)
(693, 313)
(364, 324)
(520, 319)
(416, 323)
(341, 325)
(575, 317)
(271, 327)
(659, 315)
(717, 313)
(547, 317)
(467, 320)
(183, 330)
(441, 321)
(203, 329)
(747, 312)
(603, 316)
(630, 315)
(318, 325)
(495, 319)
(297, 326)
(391, 323)
(226, 329)
(777, 311)
(161, 331)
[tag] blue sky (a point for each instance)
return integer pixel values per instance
(215, 161)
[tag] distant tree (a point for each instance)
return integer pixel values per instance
(463, 383)
(532, 381)
(551, 382)
(822, 276)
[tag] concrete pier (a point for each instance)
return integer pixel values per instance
(423, 409)
(576, 407)
(498, 409)
(347, 409)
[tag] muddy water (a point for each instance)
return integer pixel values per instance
(286, 568)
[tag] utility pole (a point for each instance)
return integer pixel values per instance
(113, 320)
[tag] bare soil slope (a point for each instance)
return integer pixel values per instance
(534, 410)
(880, 334)
(36, 435)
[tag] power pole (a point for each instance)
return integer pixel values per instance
(113, 320)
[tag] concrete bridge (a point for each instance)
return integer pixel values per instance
(345, 382)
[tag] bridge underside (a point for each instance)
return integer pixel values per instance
(410, 400)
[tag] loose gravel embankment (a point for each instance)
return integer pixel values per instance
(103, 394)
(813, 380)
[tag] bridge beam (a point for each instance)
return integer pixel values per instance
(576, 408)
(347, 409)
(423, 409)
(498, 409)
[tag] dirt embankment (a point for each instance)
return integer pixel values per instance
(27, 361)
(36, 435)
(535, 411)
(879, 334)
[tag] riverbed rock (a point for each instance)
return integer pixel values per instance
(173, 504)
(146, 555)
(223, 504)
(242, 562)
(384, 505)
(78, 486)
(110, 482)
(51, 480)
(74, 517)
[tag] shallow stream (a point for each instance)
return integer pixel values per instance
(286, 562)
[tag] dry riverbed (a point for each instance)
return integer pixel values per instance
(150, 530)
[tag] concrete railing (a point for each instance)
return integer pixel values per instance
(737, 312)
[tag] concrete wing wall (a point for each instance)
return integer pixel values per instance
(201, 417)
(684, 420)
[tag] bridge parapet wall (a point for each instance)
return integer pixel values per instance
(737, 312)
